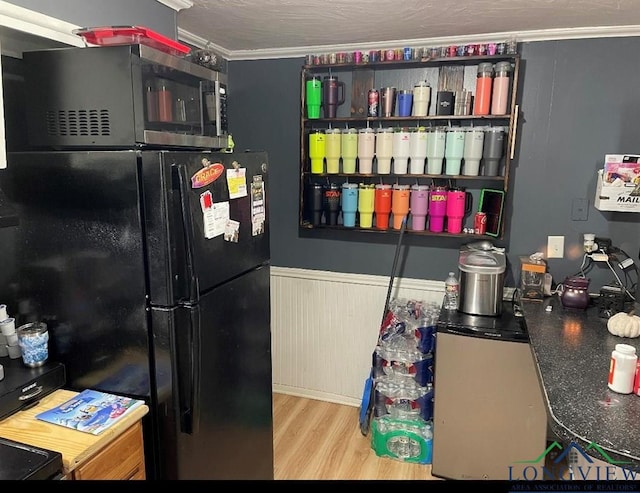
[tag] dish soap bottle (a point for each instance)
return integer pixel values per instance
(451, 292)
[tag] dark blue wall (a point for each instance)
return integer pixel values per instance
(579, 100)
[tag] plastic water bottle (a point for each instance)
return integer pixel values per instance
(451, 292)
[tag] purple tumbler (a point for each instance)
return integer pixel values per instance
(418, 205)
(437, 209)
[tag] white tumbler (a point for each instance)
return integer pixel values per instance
(417, 150)
(384, 150)
(473, 144)
(421, 99)
(401, 150)
(366, 150)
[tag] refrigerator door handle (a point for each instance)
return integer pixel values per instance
(188, 384)
(187, 226)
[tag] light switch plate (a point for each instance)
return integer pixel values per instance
(555, 247)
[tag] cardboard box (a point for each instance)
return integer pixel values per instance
(619, 196)
(532, 278)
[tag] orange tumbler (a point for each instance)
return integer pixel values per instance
(382, 206)
(400, 204)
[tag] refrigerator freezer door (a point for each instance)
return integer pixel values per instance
(223, 383)
(199, 235)
(75, 262)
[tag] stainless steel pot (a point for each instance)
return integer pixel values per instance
(482, 270)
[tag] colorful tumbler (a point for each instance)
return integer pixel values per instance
(458, 204)
(454, 150)
(366, 201)
(419, 203)
(313, 98)
(382, 206)
(437, 209)
(473, 144)
(399, 204)
(436, 141)
(317, 151)
(333, 140)
(349, 150)
(349, 201)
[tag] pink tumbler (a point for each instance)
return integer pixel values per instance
(437, 209)
(458, 204)
(419, 205)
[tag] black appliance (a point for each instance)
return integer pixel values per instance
(19, 461)
(23, 387)
(489, 411)
(115, 96)
(154, 283)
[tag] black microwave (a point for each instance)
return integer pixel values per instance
(123, 97)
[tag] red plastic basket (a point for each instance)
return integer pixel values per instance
(126, 35)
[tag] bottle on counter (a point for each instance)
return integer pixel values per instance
(622, 368)
(451, 292)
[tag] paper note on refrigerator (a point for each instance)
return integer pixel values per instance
(258, 215)
(237, 182)
(219, 218)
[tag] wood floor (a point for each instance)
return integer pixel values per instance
(321, 440)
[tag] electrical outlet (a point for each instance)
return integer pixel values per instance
(555, 247)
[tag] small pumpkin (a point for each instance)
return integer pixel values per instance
(624, 324)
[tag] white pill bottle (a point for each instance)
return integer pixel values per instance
(622, 368)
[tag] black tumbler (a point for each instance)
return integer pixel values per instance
(315, 194)
(332, 203)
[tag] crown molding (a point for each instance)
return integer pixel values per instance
(200, 42)
(177, 5)
(521, 36)
(37, 24)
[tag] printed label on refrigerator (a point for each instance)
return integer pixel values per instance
(208, 174)
(257, 206)
(237, 182)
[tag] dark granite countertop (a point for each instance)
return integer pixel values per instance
(572, 350)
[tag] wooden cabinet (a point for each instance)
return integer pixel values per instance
(121, 459)
(116, 453)
(403, 75)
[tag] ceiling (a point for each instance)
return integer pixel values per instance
(280, 28)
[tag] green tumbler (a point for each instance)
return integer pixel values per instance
(314, 98)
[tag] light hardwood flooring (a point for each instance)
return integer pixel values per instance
(315, 439)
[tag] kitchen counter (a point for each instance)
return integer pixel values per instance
(572, 350)
(76, 447)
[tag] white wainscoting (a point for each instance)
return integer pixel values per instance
(324, 328)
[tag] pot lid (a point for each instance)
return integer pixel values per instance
(482, 262)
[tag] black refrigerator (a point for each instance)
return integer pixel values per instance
(151, 269)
